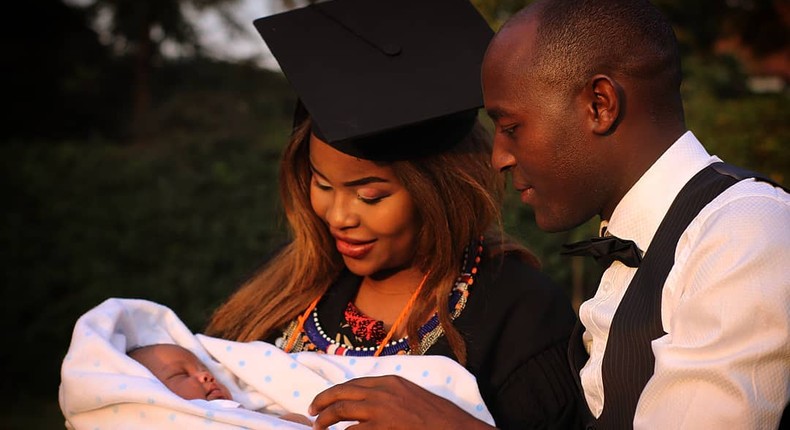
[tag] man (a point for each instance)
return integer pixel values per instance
(585, 96)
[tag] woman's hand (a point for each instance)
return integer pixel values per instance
(388, 402)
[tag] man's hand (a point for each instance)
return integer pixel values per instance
(388, 402)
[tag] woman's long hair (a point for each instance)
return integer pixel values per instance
(457, 194)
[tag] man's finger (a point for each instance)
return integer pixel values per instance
(342, 410)
(355, 389)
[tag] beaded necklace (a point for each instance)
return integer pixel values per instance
(306, 333)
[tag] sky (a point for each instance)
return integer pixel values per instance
(224, 43)
(221, 41)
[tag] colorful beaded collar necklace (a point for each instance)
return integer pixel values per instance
(429, 333)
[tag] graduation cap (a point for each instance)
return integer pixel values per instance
(383, 79)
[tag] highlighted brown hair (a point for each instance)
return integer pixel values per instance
(457, 195)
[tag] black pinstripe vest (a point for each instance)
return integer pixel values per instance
(628, 359)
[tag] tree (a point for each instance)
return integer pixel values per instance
(139, 28)
(761, 25)
(53, 64)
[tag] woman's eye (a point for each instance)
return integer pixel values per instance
(370, 198)
(320, 186)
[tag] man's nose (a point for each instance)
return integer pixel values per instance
(501, 158)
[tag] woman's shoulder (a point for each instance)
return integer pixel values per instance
(514, 294)
(515, 315)
(514, 273)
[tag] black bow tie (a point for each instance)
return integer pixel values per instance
(605, 250)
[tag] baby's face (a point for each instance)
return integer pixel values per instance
(181, 372)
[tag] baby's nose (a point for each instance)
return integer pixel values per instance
(205, 376)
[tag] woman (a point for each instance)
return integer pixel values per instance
(397, 241)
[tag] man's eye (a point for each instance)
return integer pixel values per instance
(509, 130)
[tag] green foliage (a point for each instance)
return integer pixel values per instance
(220, 101)
(742, 128)
(186, 216)
(60, 79)
(126, 19)
(24, 413)
(758, 24)
(181, 219)
(496, 12)
(181, 224)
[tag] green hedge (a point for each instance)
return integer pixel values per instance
(184, 218)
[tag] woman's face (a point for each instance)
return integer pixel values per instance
(369, 212)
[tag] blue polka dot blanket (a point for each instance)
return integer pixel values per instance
(102, 388)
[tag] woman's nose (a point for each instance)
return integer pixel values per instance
(340, 213)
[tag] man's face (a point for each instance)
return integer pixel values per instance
(540, 135)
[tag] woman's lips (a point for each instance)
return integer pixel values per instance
(353, 249)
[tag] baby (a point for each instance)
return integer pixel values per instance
(185, 375)
(102, 382)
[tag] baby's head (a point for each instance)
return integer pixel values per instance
(181, 371)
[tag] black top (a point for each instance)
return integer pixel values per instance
(516, 324)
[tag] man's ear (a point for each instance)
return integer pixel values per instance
(605, 101)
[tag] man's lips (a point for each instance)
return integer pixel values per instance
(527, 192)
(353, 248)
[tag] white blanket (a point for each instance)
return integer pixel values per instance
(103, 388)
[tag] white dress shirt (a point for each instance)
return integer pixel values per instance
(725, 360)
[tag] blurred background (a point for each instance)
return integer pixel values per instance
(140, 141)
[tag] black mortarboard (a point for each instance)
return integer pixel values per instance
(383, 79)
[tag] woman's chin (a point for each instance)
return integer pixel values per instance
(359, 268)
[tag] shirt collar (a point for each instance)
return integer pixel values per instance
(641, 210)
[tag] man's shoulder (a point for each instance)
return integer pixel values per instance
(748, 212)
(749, 198)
